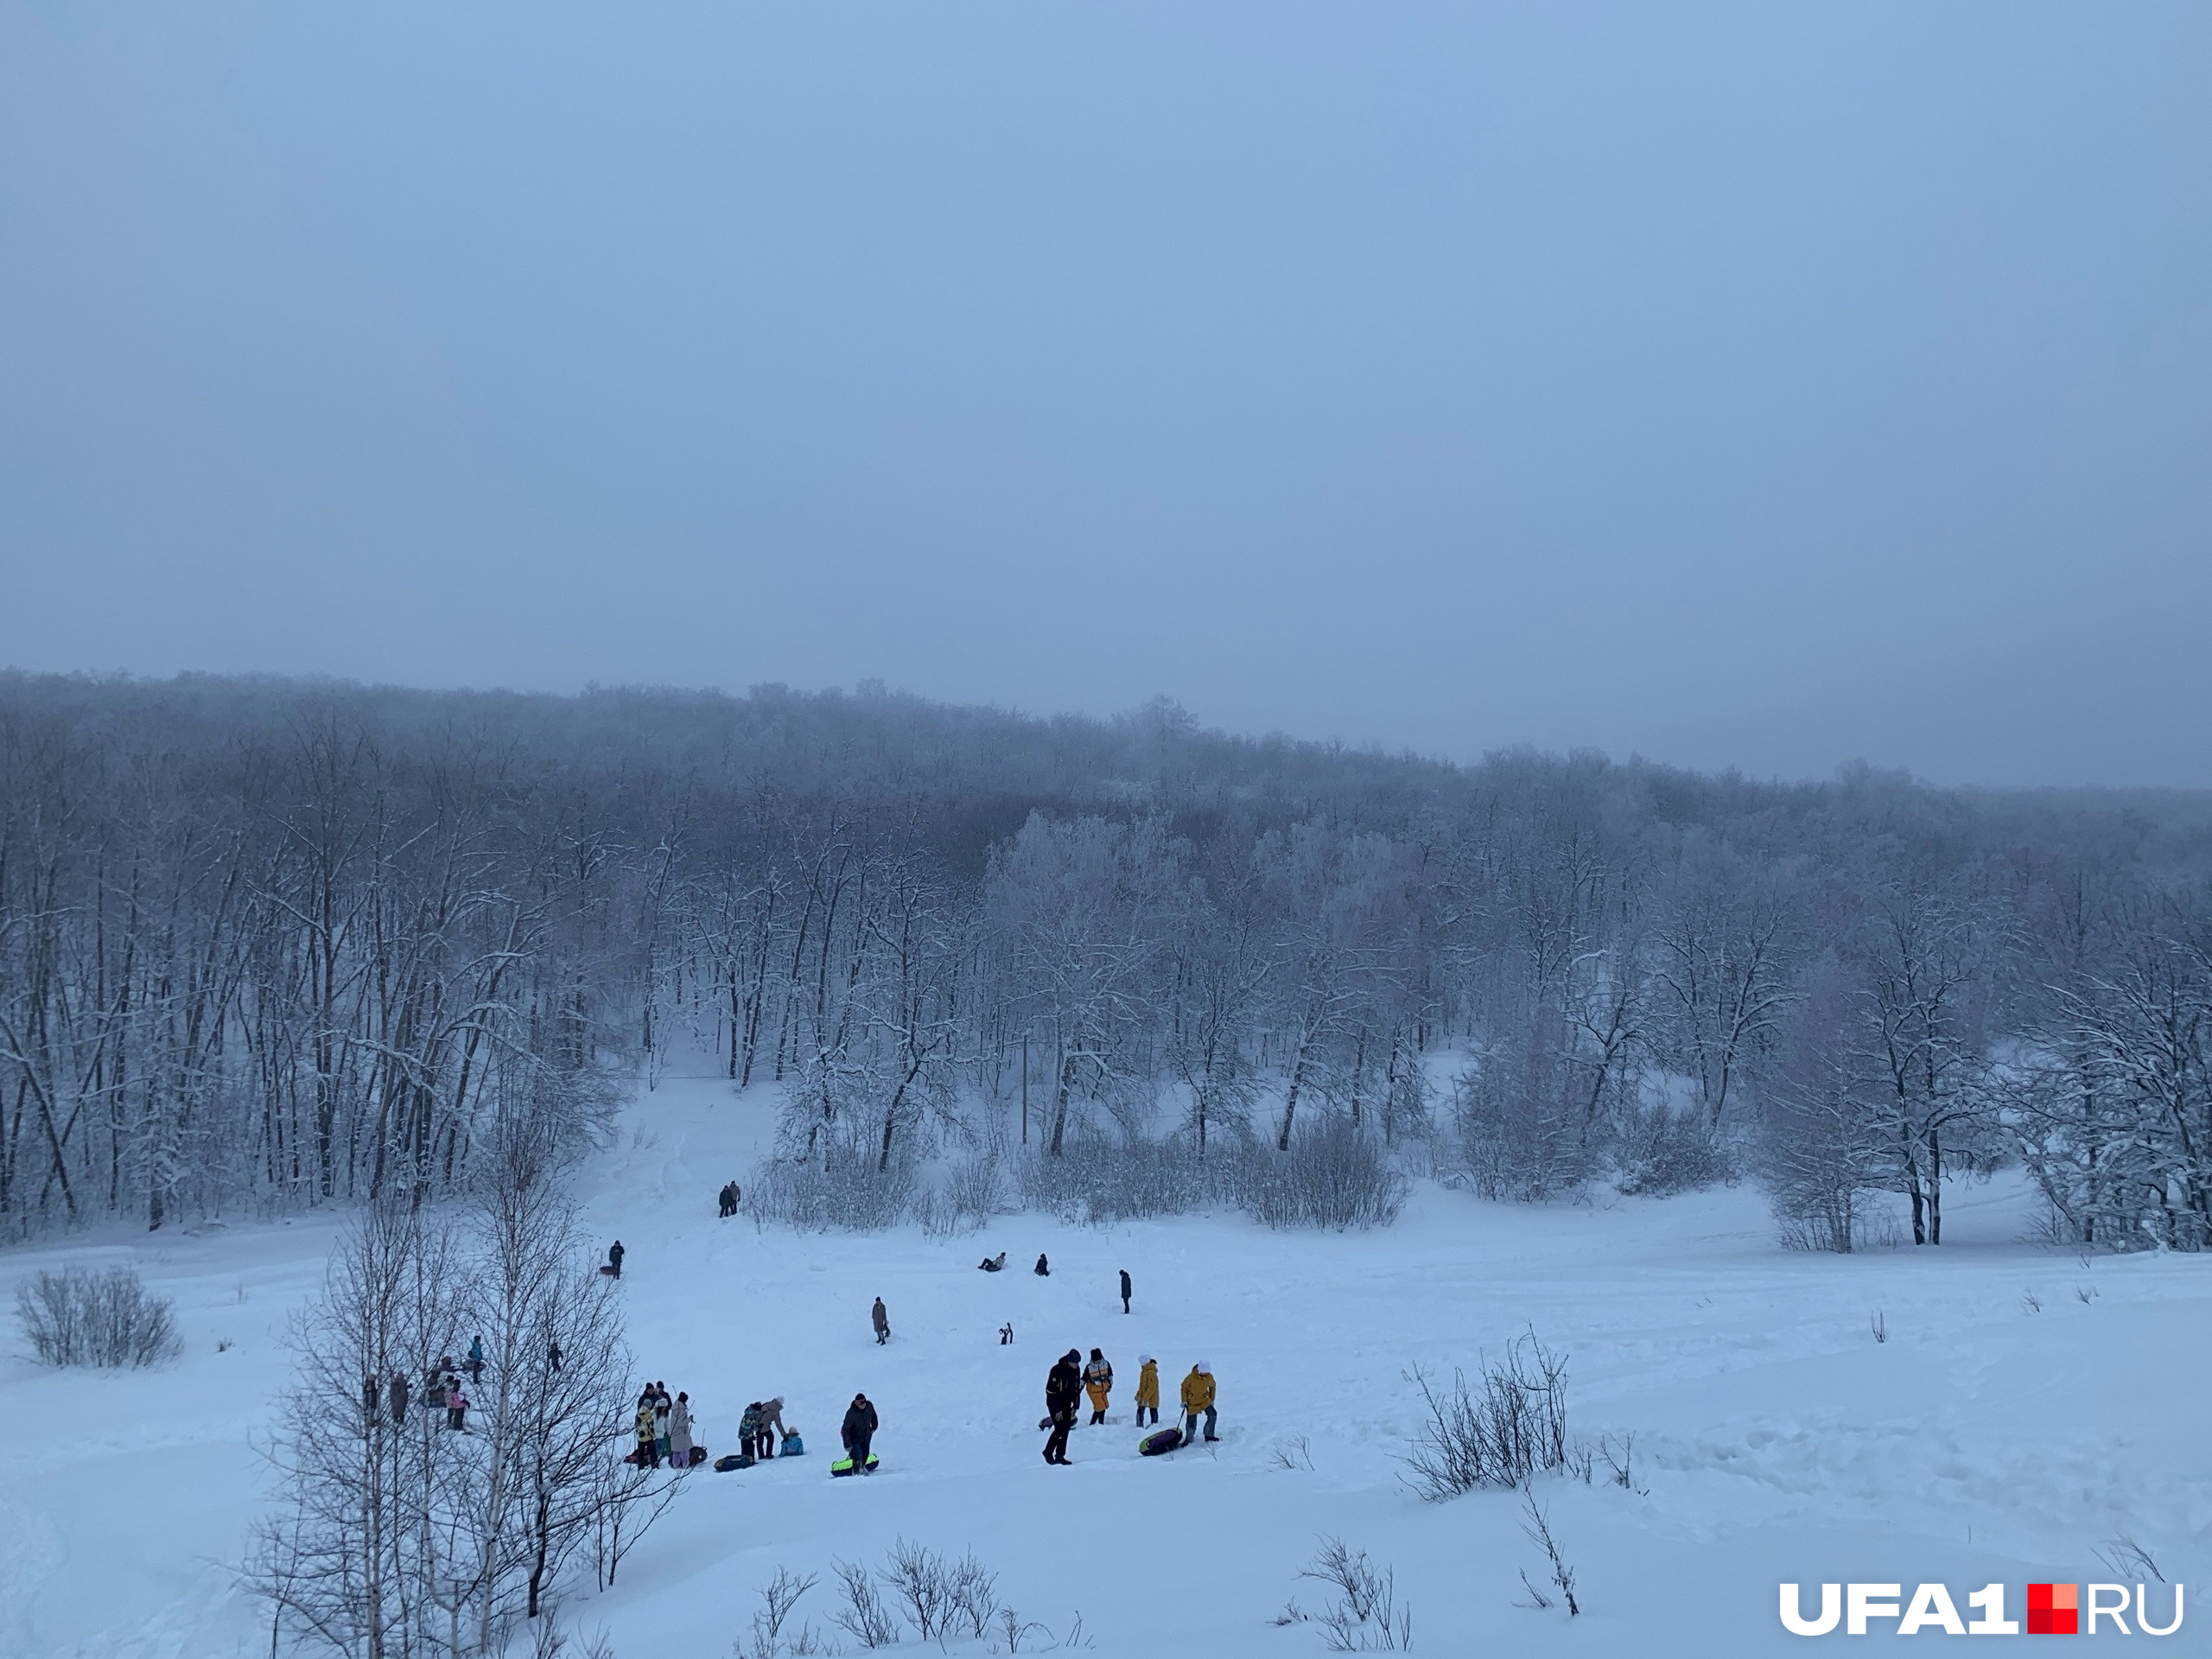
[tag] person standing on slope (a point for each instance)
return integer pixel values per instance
(679, 1432)
(1125, 1290)
(661, 1405)
(1148, 1388)
(858, 1431)
(1197, 1396)
(1062, 1391)
(474, 1364)
(882, 1320)
(1098, 1384)
(615, 1260)
(398, 1398)
(648, 1439)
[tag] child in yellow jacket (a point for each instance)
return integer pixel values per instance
(1148, 1388)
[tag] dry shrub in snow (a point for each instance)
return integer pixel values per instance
(1510, 1427)
(78, 1317)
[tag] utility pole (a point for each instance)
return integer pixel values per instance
(1025, 1089)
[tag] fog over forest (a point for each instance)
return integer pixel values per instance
(269, 944)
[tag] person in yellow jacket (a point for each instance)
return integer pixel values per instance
(648, 1436)
(1097, 1383)
(1148, 1388)
(1197, 1396)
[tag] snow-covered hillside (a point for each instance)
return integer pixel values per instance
(2006, 1429)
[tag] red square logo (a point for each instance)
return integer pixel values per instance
(2054, 1610)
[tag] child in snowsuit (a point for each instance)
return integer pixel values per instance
(752, 1435)
(1148, 1388)
(456, 1405)
(648, 1441)
(1097, 1383)
(1197, 1396)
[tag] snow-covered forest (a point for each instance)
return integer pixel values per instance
(268, 946)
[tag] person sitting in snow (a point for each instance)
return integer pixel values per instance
(992, 1264)
(1043, 1268)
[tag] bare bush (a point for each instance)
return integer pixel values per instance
(841, 1185)
(1662, 1152)
(972, 1599)
(1364, 1616)
(1536, 1523)
(78, 1317)
(864, 1616)
(1096, 1180)
(1334, 1175)
(918, 1576)
(780, 1598)
(1514, 1427)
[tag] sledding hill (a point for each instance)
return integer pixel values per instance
(2004, 1430)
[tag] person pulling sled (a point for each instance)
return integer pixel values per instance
(857, 1431)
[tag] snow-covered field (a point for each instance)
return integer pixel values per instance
(1989, 1438)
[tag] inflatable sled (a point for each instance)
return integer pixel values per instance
(724, 1464)
(844, 1465)
(1164, 1440)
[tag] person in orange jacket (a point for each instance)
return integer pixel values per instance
(1097, 1383)
(1197, 1396)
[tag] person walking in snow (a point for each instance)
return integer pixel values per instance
(474, 1366)
(614, 1253)
(858, 1431)
(679, 1432)
(1043, 1270)
(1125, 1290)
(882, 1321)
(1062, 1386)
(1197, 1396)
(1097, 1383)
(1148, 1388)
(648, 1439)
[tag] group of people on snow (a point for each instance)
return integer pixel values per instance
(758, 1428)
(441, 1390)
(663, 1428)
(728, 1198)
(1070, 1378)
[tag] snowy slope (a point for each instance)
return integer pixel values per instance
(1984, 1439)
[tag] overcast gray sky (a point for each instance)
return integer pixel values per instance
(1762, 385)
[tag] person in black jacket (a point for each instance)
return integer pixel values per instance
(1125, 1290)
(1062, 1388)
(857, 1430)
(398, 1398)
(1044, 1269)
(615, 1259)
